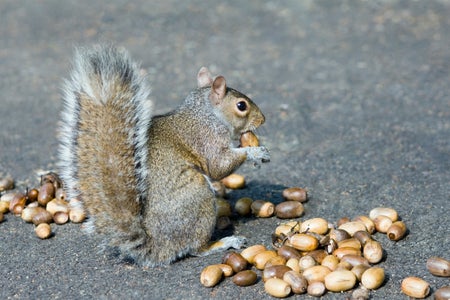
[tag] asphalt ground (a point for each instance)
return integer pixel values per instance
(357, 101)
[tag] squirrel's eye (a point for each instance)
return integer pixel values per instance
(241, 105)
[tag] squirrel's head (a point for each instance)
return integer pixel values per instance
(238, 111)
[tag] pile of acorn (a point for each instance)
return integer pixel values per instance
(42, 206)
(314, 256)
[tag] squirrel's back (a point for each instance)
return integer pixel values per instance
(104, 136)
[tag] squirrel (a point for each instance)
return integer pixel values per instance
(146, 181)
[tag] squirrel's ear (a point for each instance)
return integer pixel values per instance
(218, 89)
(204, 78)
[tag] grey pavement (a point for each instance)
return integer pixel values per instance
(356, 96)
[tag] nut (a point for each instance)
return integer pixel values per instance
(4, 206)
(275, 272)
(60, 194)
(234, 181)
(275, 261)
(250, 252)
(438, 266)
(289, 210)
(223, 208)
(353, 226)
(355, 260)
(396, 231)
(316, 273)
(245, 278)
(77, 215)
(46, 193)
(293, 264)
(351, 243)
(28, 213)
(60, 217)
(262, 258)
(316, 225)
(1, 217)
(6, 183)
(32, 195)
(370, 226)
(442, 293)
(373, 251)
(359, 270)
(330, 261)
(384, 211)
(56, 205)
(243, 206)
(43, 230)
(226, 269)
(295, 194)
(303, 242)
(382, 223)
(249, 139)
(277, 287)
(373, 278)
(340, 252)
(415, 287)
(42, 217)
(17, 203)
(296, 281)
(235, 261)
(288, 252)
(262, 209)
(339, 235)
(362, 236)
(339, 281)
(316, 289)
(211, 275)
(306, 262)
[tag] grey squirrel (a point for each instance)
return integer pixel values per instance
(146, 181)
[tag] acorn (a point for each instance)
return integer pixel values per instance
(6, 183)
(42, 217)
(43, 230)
(295, 194)
(262, 258)
(235, 260)
(226, 269)
(316, 273)
(296, 281)
(373, 251)
(275, 272)
(249, 253)
(442, 293)
(303, 242)
(384, 211)
(316, 289)
(211, 275)
(249, 139)
(277, 287)
(243, 206)
(46, 193)
(340, 281)
(263, 209)
(4, 206)
(223, 208)
(353, 226)
(373, 278)
(396, 231)
(234, 181)
(382, 223)
(415, 287)
(438, 266)
(60, 217)
(316, 225)
(17, 203)
(244, 278)
(289, 210)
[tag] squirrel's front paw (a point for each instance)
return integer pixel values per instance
(258, 154)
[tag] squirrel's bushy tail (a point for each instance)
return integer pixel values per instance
(104, 135)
